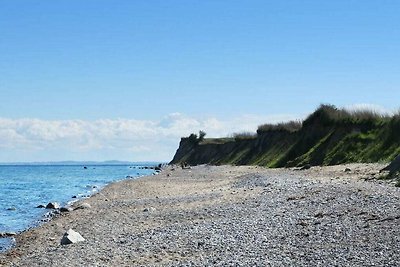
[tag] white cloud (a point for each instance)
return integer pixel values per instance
(127, 139)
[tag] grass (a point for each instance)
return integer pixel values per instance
(290, 126)
(244, 136)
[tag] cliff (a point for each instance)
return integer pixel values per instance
(328, 136)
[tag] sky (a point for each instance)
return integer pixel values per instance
(101, 80)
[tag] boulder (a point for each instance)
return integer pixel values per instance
(71, 237)
(53, 205)
(40, 206)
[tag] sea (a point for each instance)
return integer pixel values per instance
(24, 187)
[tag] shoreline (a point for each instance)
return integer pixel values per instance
(42, 186)
(175, 218)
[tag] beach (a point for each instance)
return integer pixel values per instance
(227, 216)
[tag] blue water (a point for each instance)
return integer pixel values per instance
(23, 187)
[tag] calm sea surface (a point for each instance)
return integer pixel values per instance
(23, 187)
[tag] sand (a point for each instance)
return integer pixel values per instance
(227, 216)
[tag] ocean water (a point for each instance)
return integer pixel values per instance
(24, 187)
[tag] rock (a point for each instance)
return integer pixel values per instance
(150, 209)
(74, 196)
(83, 206)
(306, 167)
(85, 167)
(40, 206)
(71, 237)
(66, 209)
(7, 234)
(347, 170)
(12, 208)
(53, 205)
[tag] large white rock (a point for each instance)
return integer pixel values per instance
(71, 237)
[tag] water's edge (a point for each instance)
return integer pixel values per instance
(46, 215)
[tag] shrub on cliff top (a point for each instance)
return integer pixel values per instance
(290, 126)
(244, 136)
(329, 114)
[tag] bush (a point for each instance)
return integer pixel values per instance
(244, 136)
(330, 114)
(290, 126)
(202, 134)
(194, 139)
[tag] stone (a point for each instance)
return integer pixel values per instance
(347, 170)
(7, 234)
(66, 209)
(150, 209)
(83, 206)
(71, 237)
(40, 206)
(306, 167)
(53, 205)
(12, 208)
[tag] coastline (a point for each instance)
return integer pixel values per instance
(226, 215)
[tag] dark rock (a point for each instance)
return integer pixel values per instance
(12, 208)
(306, 167)
(83, 206)
(347, 170)
(74, 196)
(7, 234)
(53, 205)
(85, 167)
(66, 209)
(40, 206)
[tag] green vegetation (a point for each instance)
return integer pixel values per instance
(328, 136)
(244, 136)
(291, 126)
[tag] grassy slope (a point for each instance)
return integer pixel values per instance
(328, 136)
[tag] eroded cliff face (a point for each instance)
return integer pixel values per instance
(315, 143)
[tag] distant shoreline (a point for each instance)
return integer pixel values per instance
(81, 163)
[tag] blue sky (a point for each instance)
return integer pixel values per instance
(146, 61)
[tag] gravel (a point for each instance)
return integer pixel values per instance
(228, 216)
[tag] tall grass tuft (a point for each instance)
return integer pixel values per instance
(244, 136)
(290, 126)
(330, 114)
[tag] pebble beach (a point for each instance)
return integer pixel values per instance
(227, 216)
